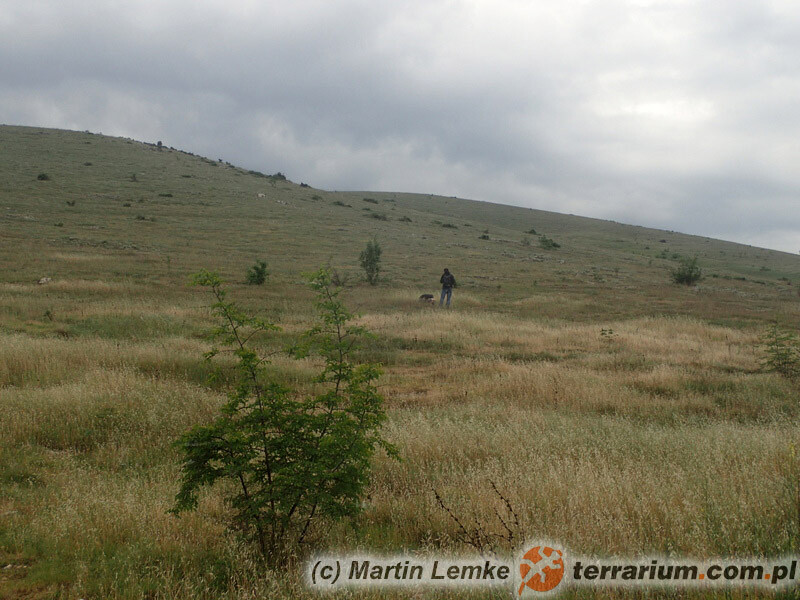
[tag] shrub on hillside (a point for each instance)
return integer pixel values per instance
(257, 274)
(547, 243)
(370, 259)
(687, 272)
(43, 177)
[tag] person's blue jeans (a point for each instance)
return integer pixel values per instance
(448, 292)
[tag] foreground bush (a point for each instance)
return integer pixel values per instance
(290, 462)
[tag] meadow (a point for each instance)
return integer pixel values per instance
(663, 432)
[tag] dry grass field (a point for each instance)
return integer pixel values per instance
(663, 433)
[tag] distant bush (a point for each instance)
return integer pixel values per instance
(278, 176)
(370, 259)
(484, 236)
(126, 204)
(304, 185)
(257, 274)
(43, 177)
(87, 164)
(370, 200)
(404, 219)
(70, 202)
(449, 226)
(340, 203)
(59, 224)
(547, 243)
(687, 273)
(526, 241)
(168, 195)
(532, 231)
(379, 216)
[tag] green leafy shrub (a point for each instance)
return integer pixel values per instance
(782, 352)
(257, 274)
(370, 259)
(547, 243)
(687, 272)
(290, 462)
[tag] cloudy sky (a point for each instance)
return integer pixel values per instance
(677, 114)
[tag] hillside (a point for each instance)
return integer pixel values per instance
(663, 431)
(143, 214)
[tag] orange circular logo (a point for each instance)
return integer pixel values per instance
(541, 569)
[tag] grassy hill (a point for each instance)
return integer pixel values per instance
(664, 433)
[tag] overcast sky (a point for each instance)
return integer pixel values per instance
(677, 114)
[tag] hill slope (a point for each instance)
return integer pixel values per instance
(616, 413)
(151, 214)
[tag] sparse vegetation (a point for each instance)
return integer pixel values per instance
(43, 177)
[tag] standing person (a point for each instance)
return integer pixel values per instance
(448, 283)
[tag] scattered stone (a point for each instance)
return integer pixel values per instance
(44, 280)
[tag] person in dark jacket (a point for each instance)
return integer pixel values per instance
(448, 283)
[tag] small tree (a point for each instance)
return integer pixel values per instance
(687, 272)
(782, 349)
(371, 261)
(291, 460)
(257, 274)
